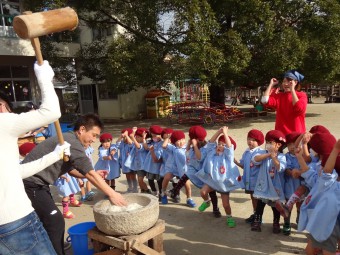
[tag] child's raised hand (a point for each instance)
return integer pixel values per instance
(298, 151)
(306, 137)
(134, 129)
(193, 142)
(167, 136)
(144, 135)
(151, 148)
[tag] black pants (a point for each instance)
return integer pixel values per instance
(49, 214)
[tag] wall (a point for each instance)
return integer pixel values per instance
(127, 106)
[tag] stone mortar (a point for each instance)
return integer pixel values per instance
(128, 222)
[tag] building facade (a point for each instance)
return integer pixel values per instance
(17, 77)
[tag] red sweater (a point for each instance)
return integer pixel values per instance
(289, 118)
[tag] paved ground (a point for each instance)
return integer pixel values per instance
(191, 232)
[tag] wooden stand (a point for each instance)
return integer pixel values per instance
(129, 245)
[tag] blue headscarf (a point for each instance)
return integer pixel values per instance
(295, 75)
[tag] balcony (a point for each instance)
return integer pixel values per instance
(6, 28)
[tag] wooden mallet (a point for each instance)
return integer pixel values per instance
(32, 25)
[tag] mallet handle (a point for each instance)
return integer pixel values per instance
(36, 46)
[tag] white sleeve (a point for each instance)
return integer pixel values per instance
(264, 99)
(30, 168)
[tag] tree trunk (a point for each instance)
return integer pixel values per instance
(216, 94)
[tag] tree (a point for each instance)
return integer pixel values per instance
(220, 42)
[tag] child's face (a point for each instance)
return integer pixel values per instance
(180, 143)
(252, 143)
(106, 144)
(156, 138)
(139, 138)
(291, 148)
(272, 146)
(220, 147)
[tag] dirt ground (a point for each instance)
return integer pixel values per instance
(190, 232)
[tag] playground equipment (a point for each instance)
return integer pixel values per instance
(205, 113)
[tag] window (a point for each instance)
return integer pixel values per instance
(107, 92)
(15, 82)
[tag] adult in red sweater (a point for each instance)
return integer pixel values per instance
(290, 105)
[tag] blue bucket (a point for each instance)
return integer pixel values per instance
(81, 244)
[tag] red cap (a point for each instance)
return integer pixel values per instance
(104, 137)
(167, 131)
(197, 132)
(26, 148)
(291, 137)
(222, 139)
(318, 129)
(322, 143)
(157, 130)
(177, 135)
(129, 130)
(276, 136)
(257, 135)
(140, 131)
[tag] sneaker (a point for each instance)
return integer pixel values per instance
(164, 199)
(83, 199)
(256, 226)
(191, 203)
(171, 193)
(177, 199)
(276, 228)
(204, 206)
(286, 229)
(68, 215)
(217, 213)
(231, 222)
(76, 203)
(250, 219)
(90, 195)
(145, 191)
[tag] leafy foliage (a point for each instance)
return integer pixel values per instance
(221, 42)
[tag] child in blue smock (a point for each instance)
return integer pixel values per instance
(291, 183)
(312, 159)
(153, 161)
(319, 213)
(220, 173)
(87, 194)
(124, 144)
(269, 185)
(255, 139)
(195, 154)
(108, 159)
(67, 186)
(175, 164)
(136, 158)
